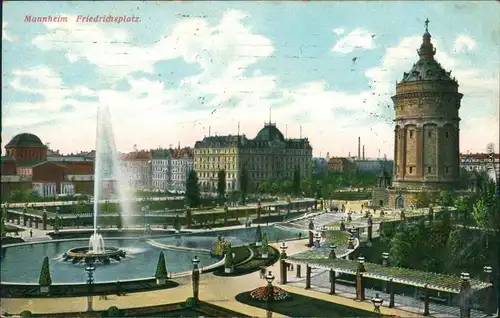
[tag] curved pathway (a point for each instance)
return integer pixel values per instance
(175, 247)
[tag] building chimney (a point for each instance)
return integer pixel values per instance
(359, 148)
(363, 152)
(349, 154)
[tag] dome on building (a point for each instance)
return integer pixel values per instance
(25, 140)
(427, 68)
(270, 133)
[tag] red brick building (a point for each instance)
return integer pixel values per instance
(27, 157)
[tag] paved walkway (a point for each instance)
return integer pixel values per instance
(210, 291)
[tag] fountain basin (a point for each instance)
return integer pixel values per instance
(84, 253)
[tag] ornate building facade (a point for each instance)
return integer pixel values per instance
(426, 136)
(269, 156)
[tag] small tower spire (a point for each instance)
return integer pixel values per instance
(427, 50)
(269, 115)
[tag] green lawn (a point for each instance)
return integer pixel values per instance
(303, 306)
(252, 265)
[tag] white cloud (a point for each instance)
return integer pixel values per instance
(464, 43)
(359, 39)
(149, 114)
(5, 35)
(338, 31)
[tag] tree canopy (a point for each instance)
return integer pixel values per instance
(244, 181)
(221, 185)
(193, 194)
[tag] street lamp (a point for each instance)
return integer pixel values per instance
(350, 243)
(90, 280)
(332, 252)
(465, 277)
(377, 302)
(489, 309)
(196, 277)
(385, 259)
(283, 248)
(318, 239)
(270, 293)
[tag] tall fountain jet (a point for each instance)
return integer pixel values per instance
(108, 177)
(109, 184)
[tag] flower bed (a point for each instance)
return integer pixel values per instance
(261, 293)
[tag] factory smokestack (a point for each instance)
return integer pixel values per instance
(359, 148)
(363, 152)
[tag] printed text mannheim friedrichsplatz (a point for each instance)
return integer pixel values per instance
(83, 19)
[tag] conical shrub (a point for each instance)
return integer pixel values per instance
(45, 279)
(161, 268)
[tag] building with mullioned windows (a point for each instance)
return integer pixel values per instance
(269, 156)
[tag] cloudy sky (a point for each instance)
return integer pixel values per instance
(328, 67)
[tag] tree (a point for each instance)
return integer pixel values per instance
(463, 207)
(265, 244)
(244, 180)
(45, 279)
(229, 261)
(161, 268)
(296, 181)
(221, 185)
(2, 221)
(119, 224)
(193, 195)
(258, 234)
(445, 198)
(422, 200)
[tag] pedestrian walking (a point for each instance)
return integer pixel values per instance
(31, 233)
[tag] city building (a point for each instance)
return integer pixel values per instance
(480, 162)
(161, 169)
(426, 138)
(182, 164)
(27, 161)
(373, 166)
(319, 165)
(269, 156)
(341, 165)
(136, 167)
(380, 195)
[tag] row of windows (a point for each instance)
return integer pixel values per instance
(429, 169)
(429, 134)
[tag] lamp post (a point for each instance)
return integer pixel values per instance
(318, 239)
(56, 221)
(488, 301)
(332, 252)
(464, 295)
(196, 277)
(90, 280)
(377, 302)
(283, 267)
(360, 286)
(270, 293)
